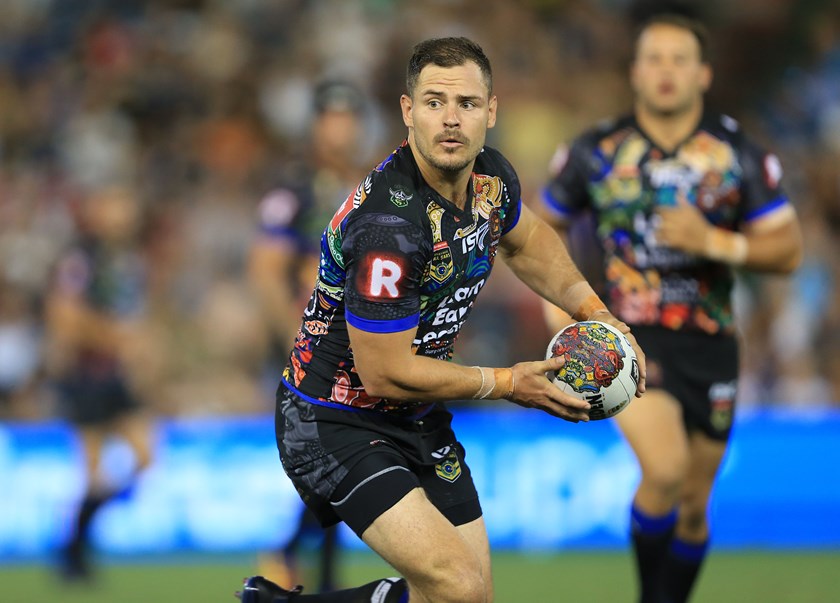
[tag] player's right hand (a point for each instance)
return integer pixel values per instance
(533, 389)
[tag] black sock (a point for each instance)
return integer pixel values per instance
(651, 538)
(682, 566)
(387, 590)
(87, 510)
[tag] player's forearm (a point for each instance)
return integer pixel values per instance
(430, 380)
(543, 263)
(389, 369)
(778, 250)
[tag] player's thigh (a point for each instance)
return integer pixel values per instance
(653, 427)
(431, 553)
(706, 457)
(136, 429)
(92, 439)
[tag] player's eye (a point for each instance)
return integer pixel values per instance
(468, 105)
(434, 104)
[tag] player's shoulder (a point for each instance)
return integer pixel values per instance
(730, 130)
(393, 187)
(491, 162)
(607, 129)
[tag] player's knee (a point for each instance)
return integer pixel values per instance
(459, 581)
(666, 480)
(693, 515)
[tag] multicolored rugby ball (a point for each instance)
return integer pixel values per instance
(601, 366)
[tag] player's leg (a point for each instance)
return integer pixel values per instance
(75, 563)
(135, 428)
(328, 579)
(475, 533)
(653, 427)
(690, 543)
(440, 562)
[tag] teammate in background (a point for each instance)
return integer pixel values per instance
(283, 265)
(93, 313)
(680, 198)
(362, 426)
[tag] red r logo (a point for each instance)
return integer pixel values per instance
(384, 274)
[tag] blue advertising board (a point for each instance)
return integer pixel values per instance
(217, 485)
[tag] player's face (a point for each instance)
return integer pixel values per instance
(336, 135)
(668, 75)
(448, 115)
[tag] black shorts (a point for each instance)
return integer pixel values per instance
(353, 465)
(91, 400)
(699, 370)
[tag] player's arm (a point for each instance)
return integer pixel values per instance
(555, 318)
(270, 269)
(389, 369)
(770, 243)
(539, 258)
(385, 258)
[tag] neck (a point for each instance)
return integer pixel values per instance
(668, 130)
(449, 185)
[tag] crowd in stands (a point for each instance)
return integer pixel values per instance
(187, 110)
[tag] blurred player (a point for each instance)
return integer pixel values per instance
(93, 310)
(362, 426)
(680, 198)
(284, 264)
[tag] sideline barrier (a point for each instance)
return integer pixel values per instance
(217, 485)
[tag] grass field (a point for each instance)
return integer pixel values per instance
(544, 578)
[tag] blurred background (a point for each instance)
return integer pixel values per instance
(178, 117)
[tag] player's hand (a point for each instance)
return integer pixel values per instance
(607, 317)
(683, 227)
(532, 389)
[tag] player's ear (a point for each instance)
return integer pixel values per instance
(706, 76)
(633, 77)
(491, 114)
(406, 105)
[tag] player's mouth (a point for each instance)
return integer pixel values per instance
(450, 141)
(667, 88)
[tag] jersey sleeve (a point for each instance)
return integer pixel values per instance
(566, 191)
(277, 213)
(385, 257)
(761, 183)
(513, 207)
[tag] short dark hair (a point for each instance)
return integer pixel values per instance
(447, 52)
(694, 26)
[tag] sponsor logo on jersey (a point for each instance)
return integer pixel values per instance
(722, 403)
(772, 170)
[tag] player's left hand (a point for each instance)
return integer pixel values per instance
(607, 317)
(683, 226)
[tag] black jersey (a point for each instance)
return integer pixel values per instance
(398, 256)
(619, 174)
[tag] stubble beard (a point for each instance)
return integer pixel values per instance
(449, 164)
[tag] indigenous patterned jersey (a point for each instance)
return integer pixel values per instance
(296, 214)
(398, 256)
(619, 174)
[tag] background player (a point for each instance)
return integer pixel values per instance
(680, 198)
(94, 313)
(283, 265)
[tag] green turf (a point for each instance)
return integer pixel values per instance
(543, 578)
